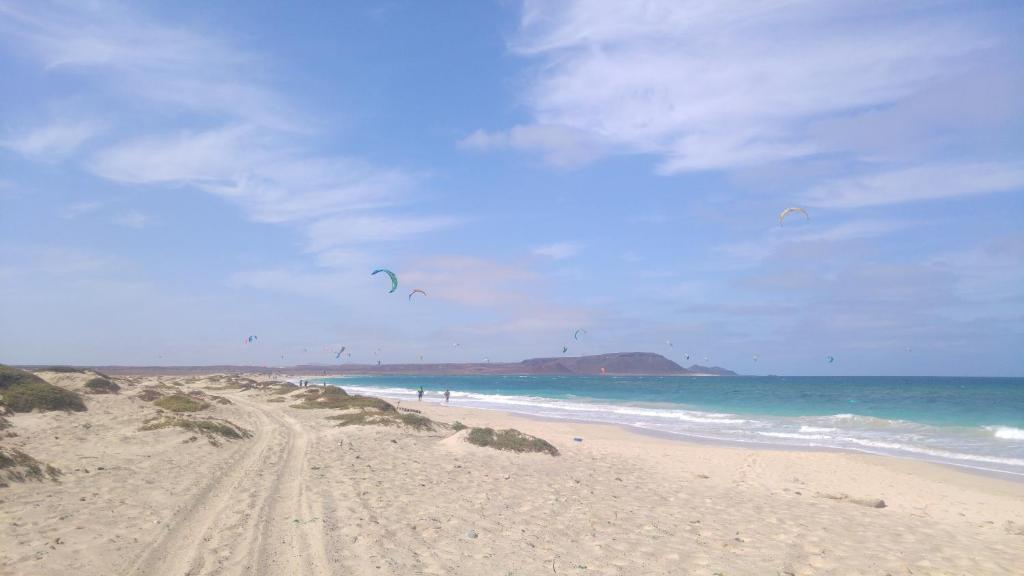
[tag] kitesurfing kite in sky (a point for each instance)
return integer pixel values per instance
(416, 291)
(789, 211)
(394, 279)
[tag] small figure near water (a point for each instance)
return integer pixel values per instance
(419, 394)
(447, 394)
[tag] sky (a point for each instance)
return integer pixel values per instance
(177, 176)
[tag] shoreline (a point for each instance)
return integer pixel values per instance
(302, 492)
(689, 437)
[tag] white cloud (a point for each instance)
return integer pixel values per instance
(268, 178)
(918, 183)
(248, 142)
(351, 230)
(132, 219)
(558, 250)
(719, 85)
(778, 238)
(52, 141)
(72, 211)
(559, 145)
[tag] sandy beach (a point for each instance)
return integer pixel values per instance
(295, 493)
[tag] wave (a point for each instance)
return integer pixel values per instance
(979, 448)
(817, 429)
(1006, 432)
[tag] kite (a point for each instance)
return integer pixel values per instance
(755, 357)
(394, 279)
(576, 334)
(830, 359)
(565, 349)
(416, 291)
(250, 339)
(669, 342)
(338, 353)
(687, 356)
(789, 211)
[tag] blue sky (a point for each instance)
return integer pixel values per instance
(176, 176)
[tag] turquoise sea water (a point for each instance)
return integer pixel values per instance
(973, 422)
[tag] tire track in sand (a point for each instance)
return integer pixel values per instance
(255, 517)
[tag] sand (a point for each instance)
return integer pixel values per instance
(304, 496)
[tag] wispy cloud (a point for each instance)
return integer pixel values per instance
(776, 239)
(918, 183)
(723, 85)
(351, 230)
(76, 209)
(132, 219)
(248, 142)
(561, 146)
(559, 250)
(53, 141)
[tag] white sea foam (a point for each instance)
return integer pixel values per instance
(1006, 432)
(843, 431)
(795, 436)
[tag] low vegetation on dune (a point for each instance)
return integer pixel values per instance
(101, 385)
(69, 370)
(371, 417)
(510, 439)
(149, 394)
(361, 410)
(22, 391)
(16, 466)
(211, 428)
(335, 398)
(284, 388)
(181, 403)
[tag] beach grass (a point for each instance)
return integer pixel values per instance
(333, 397)
(101, 385)
(181, 403)
(209, 427)
(22, 391)
(509, 439)
(18, 466)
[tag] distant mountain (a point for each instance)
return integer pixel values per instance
(615, 363)
(711, 370)
(621, 363)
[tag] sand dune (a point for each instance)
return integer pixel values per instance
(304, 496)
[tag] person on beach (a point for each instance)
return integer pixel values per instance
(419, 394)
(447, 394)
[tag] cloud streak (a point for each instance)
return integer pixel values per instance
(247, 142)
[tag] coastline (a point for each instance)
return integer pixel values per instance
(302, 495)
(874, 436)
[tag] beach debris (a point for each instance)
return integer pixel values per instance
(577, 439)
(394, 278)
(416, 291)
(791, 210)
(471, 534)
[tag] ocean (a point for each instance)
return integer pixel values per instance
(976, 423)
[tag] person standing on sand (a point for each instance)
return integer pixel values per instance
(446, 395)
(419, 394)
